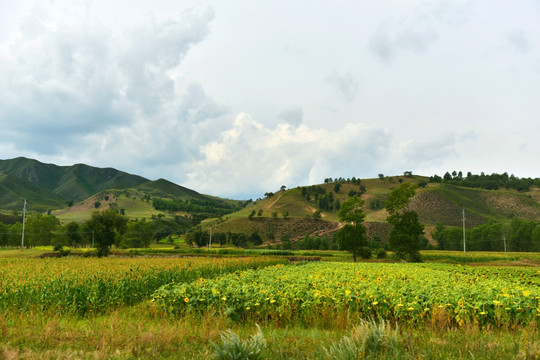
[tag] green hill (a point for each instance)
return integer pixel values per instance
(72, 183)
(14, 190)
(435, 202)
(166, 189)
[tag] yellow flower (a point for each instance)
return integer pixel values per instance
(374, 303)
(272, 301)
(186, 299)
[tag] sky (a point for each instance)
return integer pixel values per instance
(237, 98)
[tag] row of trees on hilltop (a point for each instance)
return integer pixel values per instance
(490, 182)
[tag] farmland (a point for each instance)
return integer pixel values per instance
(78, 307)
(406, 293)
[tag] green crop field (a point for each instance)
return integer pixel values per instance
(194, 307)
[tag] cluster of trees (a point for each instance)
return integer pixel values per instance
(352, 180)
(104, 229)
(202, 208)
(489, 182)
(201, 238)
(406, 236)
(520, 235)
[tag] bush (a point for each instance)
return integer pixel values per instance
(365, 252)
(370, 339)
(232, 347)
(381, 254)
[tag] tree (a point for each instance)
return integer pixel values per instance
(251, 214)
(41, 230)
(337, 186)
(139, 234)
(107, 226)
(400, 197)
(73, 233)
(352, 236)
(406, 235)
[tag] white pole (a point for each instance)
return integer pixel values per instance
(464, 230)
(210, 243)
(23, 220)
(505, 245)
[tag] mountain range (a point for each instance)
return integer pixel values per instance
(72, 192)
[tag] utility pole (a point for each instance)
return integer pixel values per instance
(210, 243)
(464, 230)
(504, 245)
(23, 220)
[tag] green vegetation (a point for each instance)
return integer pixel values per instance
(76, 307)
(405, 238)
(352, 236)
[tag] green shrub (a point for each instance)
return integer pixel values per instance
(232, 347)
(381, 254)
(369, 339)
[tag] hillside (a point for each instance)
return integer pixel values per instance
(13, 190)
(71, 183)
(436, 202)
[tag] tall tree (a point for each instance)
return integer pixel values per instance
(353, 235)
(107, 226)
(405, 237)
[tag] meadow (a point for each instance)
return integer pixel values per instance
(202, 307)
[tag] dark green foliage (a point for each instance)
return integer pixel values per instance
(351, 210)
(489, 182)
(203, 207)
(521, 235)
(406, 235)
(251, 214)
(42, 230)
(107, 227)
(380, 254)
(74, 234)
(353, 239)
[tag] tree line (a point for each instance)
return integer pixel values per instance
(104, 229)
(489, 182)
(204, 208)
(520, 235)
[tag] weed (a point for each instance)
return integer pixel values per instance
(232, 347)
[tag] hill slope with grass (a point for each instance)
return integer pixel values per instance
(72, 183)
(275, 215)
(14, 190)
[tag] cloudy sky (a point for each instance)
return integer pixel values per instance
(236, 98)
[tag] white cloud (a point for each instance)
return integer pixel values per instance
(249, 158)
(61, 85)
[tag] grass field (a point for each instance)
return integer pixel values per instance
(89, 308)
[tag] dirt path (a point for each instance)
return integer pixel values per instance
(273, 202)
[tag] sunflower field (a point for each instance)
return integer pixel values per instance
(407, 293)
